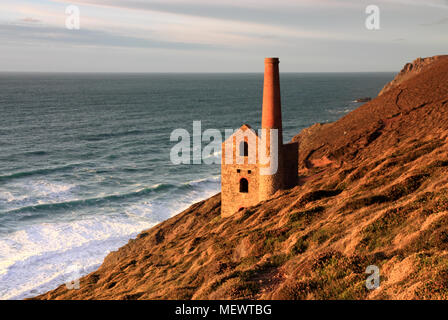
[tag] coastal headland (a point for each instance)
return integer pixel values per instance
(373, 191)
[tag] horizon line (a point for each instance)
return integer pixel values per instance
(172, 72)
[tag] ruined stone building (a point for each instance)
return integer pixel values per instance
(244, 181)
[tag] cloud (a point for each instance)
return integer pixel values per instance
(313, 31)
(179, 24)
(30, 20)
(435, 23)
(228, 23)
(84, 37)
(279, 12)
(441, 4)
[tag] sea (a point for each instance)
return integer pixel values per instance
(85, 158)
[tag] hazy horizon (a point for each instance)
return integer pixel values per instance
(199, 36)
(186, 73)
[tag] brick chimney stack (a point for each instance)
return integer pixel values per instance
(272, 119)
(272, 109)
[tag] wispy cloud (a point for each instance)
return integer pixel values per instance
(441, 4)
(29, 19)
(23, 33)
(316, 32)
(212, 24)
(436, 23)
(279, 12)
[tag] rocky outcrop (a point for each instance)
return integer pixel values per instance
(410, 70)
(364, 99)
(373, 191)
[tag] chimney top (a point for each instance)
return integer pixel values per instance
(271, 60)
(271, 112)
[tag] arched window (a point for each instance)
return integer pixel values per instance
(244, 149)
(244, 185)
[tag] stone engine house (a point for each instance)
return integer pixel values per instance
(242, 184)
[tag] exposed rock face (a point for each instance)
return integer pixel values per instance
(410, 70)
(373, 191)
(364, 99)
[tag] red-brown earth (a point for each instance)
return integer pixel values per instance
(373, 191)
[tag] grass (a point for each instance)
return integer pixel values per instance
(300, 246)
(415, 151)
(305, 216)
(247, 213)
(332, 276)
(321, 235)
(393, 193)
(246, 284)
(436, 287)
(273, 239)
(435, 237)
(316, 195)
(381, 232)
(245, 290)
(362, 171)
(406, 187)
(356, 204)
(438, 164)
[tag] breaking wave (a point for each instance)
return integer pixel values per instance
(41, 256)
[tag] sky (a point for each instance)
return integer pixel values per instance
(218, 35)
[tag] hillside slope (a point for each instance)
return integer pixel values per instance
(373, 191)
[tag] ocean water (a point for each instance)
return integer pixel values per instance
(85, 158)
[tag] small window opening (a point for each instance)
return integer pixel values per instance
(244, 185)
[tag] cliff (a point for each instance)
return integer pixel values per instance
(410, 70)
(373, 191)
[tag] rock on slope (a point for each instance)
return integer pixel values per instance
(410, 70)
(373, 191)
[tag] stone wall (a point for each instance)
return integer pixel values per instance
(261, 187)
(231, 197)
(231, 174)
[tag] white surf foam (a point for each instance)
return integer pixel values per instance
(168, 205)
(18, 194)
(40, 257)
